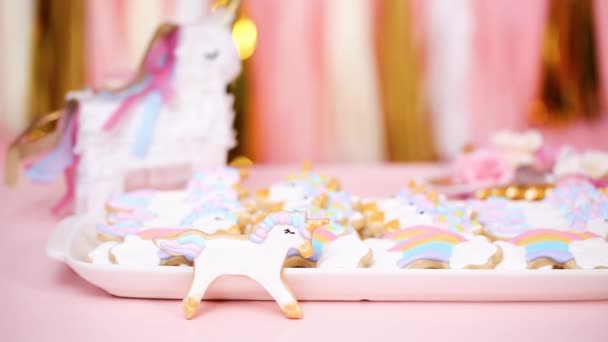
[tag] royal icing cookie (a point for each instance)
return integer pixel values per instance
(432, 247)
(551, 248)
(259, 256)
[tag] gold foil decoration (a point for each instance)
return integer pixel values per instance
(569, 85)
(58, 63)
(406, 116)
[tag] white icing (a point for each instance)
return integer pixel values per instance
(135, 251)
(344, 252)
(382, 258)
(598, 226)
(101, 254)
(513, 257)
(477, 251)
(286, 192)
(211, 223)
(542, 215)
(590, 253)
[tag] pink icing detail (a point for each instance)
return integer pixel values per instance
(324, 233)
(421, 229)
(150, 234)
(399, 246)
(569, 235)
(261, 233)
(69, 173)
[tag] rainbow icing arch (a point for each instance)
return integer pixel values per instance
(549, 243)
(424, 243)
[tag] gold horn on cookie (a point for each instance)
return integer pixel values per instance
(320, 201)
(243, 164)
(312, 224)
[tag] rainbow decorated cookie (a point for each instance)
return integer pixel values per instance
(432, 247)
(550, 248)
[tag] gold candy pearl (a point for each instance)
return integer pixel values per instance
(497, 192)
(482, 194)
(513, 192)
(534, 193)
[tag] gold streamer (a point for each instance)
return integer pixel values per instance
(569, 82)
(58, 54)
(407, 125)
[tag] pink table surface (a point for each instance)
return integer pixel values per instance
(44, 300)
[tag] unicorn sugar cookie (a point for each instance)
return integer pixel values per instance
(259, 256)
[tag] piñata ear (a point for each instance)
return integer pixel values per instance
(229, 11)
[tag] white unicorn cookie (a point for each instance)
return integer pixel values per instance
(259, 256)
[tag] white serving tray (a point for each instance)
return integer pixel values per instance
(73, 239)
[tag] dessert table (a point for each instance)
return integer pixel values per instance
(43, 299)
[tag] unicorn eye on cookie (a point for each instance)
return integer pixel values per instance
(259, 256)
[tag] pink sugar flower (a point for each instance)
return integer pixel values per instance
(483, 167)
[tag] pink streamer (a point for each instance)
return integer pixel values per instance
(159, 77)
(286, 80)
(505, 64)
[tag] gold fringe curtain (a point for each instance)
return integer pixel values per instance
(58, 54)
(407, 123)
(570, 82)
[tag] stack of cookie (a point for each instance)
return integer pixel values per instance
(415, 228)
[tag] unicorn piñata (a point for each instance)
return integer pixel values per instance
(259, 256)
(175, 117)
